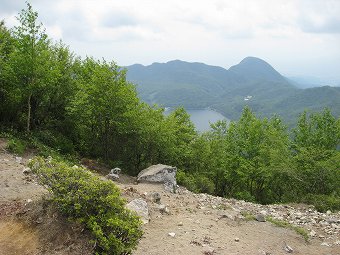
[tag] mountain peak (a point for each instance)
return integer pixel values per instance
(256, 68)
(250, 59)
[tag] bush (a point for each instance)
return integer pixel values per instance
(195, 183)
(97, 204)
(16, 146)
(55, 140)
(323, 203)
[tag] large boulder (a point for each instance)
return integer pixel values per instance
(141, 208)
(160, 174)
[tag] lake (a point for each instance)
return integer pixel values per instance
(202, 118)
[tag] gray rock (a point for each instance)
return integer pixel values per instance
(160, 174)
(156, 197)
(27, 170)
(116, 171)
(141, 208)
(172, 234)
(114, 174)
(164, 209)
(18, 160)
(113, 177)
(260, 217)
(287, 248)
(312, 233)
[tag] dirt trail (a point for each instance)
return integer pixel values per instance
(203, 229)
(200, 227)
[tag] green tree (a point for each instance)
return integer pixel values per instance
(315, 142)
(29, 60)
(8, 97)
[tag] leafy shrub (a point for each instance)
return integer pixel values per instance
(245, 195)
(97, 204)
(16, 146)
(195, 183)
(55, 140)
(323, 203)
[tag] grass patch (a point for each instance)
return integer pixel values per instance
(283, 224)
(248, 216)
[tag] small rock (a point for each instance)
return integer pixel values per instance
(287, 248)
(116, 171)
(264, 212)
(207, 250)
(163, 209)
(312, 233)
(237, 239)
(112, 177)
(26, 170)
(260, 218)
(180, 223)
(172, 234)
(321, 236)
(337, 242)
(29, 200)
(329, 212)
(325, 244)
(156, 197)
(75, 167)
(18, 160)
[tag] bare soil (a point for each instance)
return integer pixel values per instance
(30, 225)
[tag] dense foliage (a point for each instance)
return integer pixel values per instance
(96, 203)
(87, 106)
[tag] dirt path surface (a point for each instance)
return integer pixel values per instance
(198, 223)
(204, 226)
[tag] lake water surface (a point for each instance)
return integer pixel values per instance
(202, 118)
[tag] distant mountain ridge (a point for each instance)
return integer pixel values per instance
(252, 82)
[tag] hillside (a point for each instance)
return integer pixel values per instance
(200, 223)
(252, 82)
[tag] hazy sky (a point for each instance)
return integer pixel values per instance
(297, 37)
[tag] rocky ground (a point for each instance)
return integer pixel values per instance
(182, 223)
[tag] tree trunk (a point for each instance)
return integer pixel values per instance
(28, 127)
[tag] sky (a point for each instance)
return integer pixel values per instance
(297, 37)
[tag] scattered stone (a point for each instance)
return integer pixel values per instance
(195, 243)
(260, 217)
(325, 244)
(18, 160)
(312, 233)
(27, 170)
(75, 167)
(207, 250)
(29, 201)
(156, 197)
(164, 209)
(172, 234)
(180, 223)
(114, 174)
(141, 208)
(337, 242)
(287, 248)
(237, 239)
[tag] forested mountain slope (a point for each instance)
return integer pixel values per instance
(252, 82)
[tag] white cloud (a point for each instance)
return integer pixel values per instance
(292, 35)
